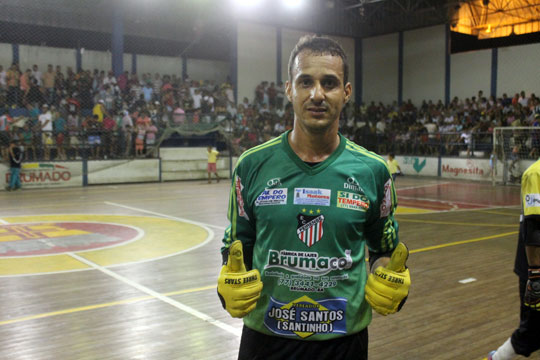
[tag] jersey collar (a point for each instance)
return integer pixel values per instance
(312, 170)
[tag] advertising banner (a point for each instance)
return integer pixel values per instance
(418, 165)
(123, 171)
(467, 169)
(46, 174)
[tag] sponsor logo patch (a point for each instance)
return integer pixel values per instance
(386, 204)
(273, 182)
(239, 199)
(308, 263)
(532, 200)
(352, 201)
(310, 228)
(352, 184)
(305, 317)
(311, 196)
(272, 197)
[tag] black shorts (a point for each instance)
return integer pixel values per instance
(257, 346)
(525, 340)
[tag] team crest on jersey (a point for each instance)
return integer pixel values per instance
(310, 228)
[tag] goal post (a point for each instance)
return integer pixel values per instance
(514, 150)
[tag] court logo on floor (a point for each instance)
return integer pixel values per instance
(40, 244)
(61, 237)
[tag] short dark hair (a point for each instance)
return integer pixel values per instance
(320, 45)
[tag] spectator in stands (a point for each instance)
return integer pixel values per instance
(73, 129)
(432, 130)
(122, 81)
(12, 78)
(4, 135)
(109, 137)
(139, 139)
(197, 99)
(523, 100)
(156, 86)
(147, 91)
(36, 74)
(151, 132)
(59, 125)
(34, 94)
(93, 129)
(45, 125)
(2, 79)
(27, 141)
(100, 111)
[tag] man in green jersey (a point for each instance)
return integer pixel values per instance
(302, 208)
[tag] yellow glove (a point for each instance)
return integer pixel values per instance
(388, 287)
(238, 289)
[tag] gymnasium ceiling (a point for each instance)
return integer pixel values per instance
(202, 28)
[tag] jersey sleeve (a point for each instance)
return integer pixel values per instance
(381, 231)
(530, 192)
(241, 218)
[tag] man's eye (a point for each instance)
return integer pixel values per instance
(329, 83)
(305, 82)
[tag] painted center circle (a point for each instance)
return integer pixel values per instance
(31, 239)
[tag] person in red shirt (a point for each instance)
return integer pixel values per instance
(109, 137)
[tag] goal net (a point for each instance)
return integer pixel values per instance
(514, 150)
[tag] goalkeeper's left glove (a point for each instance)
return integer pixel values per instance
(387, 287)
(532, 291)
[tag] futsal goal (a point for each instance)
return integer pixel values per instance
(514, 150)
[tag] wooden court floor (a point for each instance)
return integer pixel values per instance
(153, 296)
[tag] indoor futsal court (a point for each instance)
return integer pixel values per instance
(129, 272)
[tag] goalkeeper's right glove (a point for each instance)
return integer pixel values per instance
(532, 291)
(238, 289)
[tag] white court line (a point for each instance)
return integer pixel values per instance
(3, 222)
(165, 216)
(148, 291)
(422, 186)
(451, 202)
(166, 299)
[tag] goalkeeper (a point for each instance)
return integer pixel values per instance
(526, 339)
(302, 208)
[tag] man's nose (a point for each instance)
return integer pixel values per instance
(317, 93)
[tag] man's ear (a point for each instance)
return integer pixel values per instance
(288, 90)
(348, 92)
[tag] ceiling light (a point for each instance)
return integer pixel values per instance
(293, 3)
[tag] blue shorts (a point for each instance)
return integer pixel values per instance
(94, 140)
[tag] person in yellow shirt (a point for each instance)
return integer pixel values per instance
(393, 166)
(525, 339)
(212, 159)
(100, 110)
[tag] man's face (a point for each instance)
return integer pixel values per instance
(316, 91)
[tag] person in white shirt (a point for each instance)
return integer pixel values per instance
(2, 77)
(197, 98)
(523, 99)
(36, 74)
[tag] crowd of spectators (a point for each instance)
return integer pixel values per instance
(462, 126)
(64, 114)
(99, 114)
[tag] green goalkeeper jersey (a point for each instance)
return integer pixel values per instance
(305, 229)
